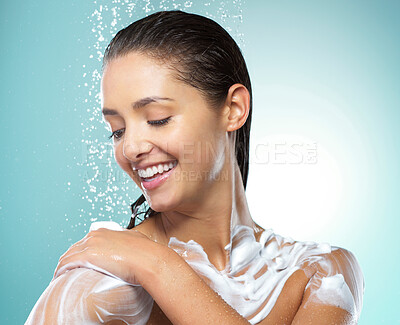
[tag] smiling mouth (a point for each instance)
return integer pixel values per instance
(156, 180)
(151, 173)
(150, 179)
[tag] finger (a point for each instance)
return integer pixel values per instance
(62, 259)
(67, 267)
(77, 248)
(79, 260)
(79, 244)
(70, 261)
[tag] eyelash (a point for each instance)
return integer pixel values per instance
(156, 123)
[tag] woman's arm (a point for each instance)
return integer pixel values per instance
(133, 258)
(333, 290)
(183, 296)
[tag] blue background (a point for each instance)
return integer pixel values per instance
(324, 72)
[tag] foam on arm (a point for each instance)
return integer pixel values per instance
(86, 296)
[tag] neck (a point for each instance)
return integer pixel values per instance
(218, 211)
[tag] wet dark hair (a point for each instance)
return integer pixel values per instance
(201, 53)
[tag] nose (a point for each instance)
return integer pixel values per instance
(135, 146)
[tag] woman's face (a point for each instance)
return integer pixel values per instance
(159, 120)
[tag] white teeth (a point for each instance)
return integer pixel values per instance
(151, 171)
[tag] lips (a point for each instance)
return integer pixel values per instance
(156, 180)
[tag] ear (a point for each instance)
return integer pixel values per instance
(237, 107)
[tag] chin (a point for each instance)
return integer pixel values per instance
(163, 204)
(160, 207)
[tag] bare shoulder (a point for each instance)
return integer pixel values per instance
(150, 228)
(335, 290)
(147, 226)
(327, 287)
(341, 263)
(342, 258)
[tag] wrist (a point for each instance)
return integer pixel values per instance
(156, 265)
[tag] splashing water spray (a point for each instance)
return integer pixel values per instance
(107, 190)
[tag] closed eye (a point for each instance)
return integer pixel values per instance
(159, 122)
(118, 133)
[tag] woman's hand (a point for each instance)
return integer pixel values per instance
(124, 254)
(134, 258)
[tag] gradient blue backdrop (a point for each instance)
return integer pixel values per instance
(324, 71)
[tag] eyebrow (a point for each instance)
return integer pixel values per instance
(138, 104)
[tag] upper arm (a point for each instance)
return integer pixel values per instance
(85, 296)
(335, 291)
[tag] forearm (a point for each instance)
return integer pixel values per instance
(184, 297)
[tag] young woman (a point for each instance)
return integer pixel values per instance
(177, 96)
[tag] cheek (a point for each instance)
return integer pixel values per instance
(209, 154)
(123, 162)
(119, 157)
